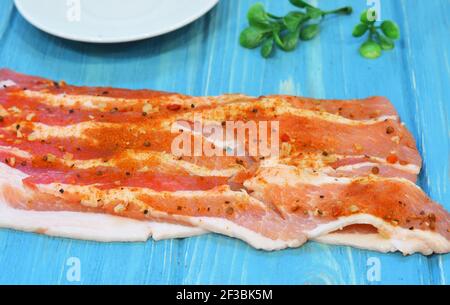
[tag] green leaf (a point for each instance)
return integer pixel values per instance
(252, 37)
(267, 48)
(390, 29)
(257, 15)
(278, 27)
(386, 43)
(309, 32)
(293, 20)
(370, 49)
(313, 13)
(300, 3)
(360, 30)
(369, 16)
(274, 16)
(268, 30)
(290, 40)
(277, 39)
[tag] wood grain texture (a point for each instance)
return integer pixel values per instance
(204, 59)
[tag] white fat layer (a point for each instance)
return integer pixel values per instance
(286, 108)
(83, 101)
(281, 174)
(43, 131)
(410, 168)
(287, 175)
(7, 83)
(373, 242)
(87, 226)
(385, 117)
(91, 226)
(318, 162)
(256, 240)
(161, 231)
(16, 151)
(401, 239)
(103, 102)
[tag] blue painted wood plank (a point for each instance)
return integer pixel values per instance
(204, 58)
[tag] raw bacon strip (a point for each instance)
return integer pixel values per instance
(389, 138)
(401, 150)
(62, 110)
(126, 172)
(142, 204)
(392, 199)
(394, 156)
(327, 150)
(83, 155)
(129, 160)
(110, 179)
(22, 81)
(59, 94)
(81, 225)
(333, 199)
(58, 110)
(408, 221)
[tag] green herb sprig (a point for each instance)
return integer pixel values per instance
(268, 30)
(380, 38)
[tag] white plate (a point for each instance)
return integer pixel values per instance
(110, 21)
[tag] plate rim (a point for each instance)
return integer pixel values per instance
(176, 26)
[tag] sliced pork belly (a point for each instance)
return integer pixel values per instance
(285, 208)
(344, 175)
(37, 91)
(72, 224)
(396, 207)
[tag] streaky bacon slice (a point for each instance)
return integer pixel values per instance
(345, 174)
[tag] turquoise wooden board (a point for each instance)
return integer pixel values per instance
(204, 58)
